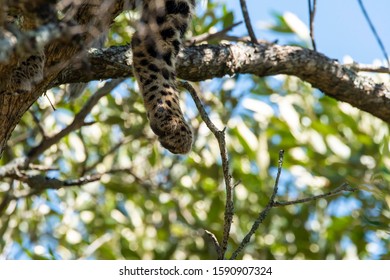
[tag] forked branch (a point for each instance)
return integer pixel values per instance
(229, 186)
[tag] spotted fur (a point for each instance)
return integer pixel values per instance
(155, 45)
(29, 72)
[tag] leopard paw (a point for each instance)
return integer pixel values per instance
(173, 133)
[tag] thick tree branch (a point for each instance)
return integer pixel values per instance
(204, 62)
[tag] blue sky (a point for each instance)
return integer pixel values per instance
(340, 27)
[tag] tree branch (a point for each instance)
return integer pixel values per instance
(263, 214)
(212, 36)
(215, 242)
(358, 67)
(39, 183)
(198, 63)
(220, 136)
(77, 122)
(312, 13)
(373, 30)
(337, 191)
(247, 20)
(345, 187)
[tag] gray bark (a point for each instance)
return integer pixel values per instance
(198, 63)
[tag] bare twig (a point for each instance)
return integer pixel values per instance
(367, 68)
(77, 122)
(200, 107)
(372, 27)
(83, 166)
(39, 125)
(145, 182)
(83, 180)
(245, 39)
(213, 36)
(41, 167)
(13, 167)
(215, 242)
(50, 102)
(247, 20)
(40, 183)
(96, 244)
(17, 167)
(220, 136)
(312, 13)
(113, 149)
(344, 187)
(263, 214)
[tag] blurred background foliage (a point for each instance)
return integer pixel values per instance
(155, 205)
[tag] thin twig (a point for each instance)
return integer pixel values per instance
(213, 36)
(40, 183)
(39, 167)
(96, 244)
(51, 103)
(13, 167)
(367, 68)
(83, 180)
(83, 166)
(312, 13)
(77, 122)
(247, 20)
(200, 107)
(337, 191)
(263, 214)
(112, 150)
(215, 242)
(372, 27)
(16, 167)
(345, 187)
(245, 39)
(220, 136)
(39, 125)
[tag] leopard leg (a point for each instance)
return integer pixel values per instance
(155, 46)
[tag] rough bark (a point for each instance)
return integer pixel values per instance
(198, 63)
